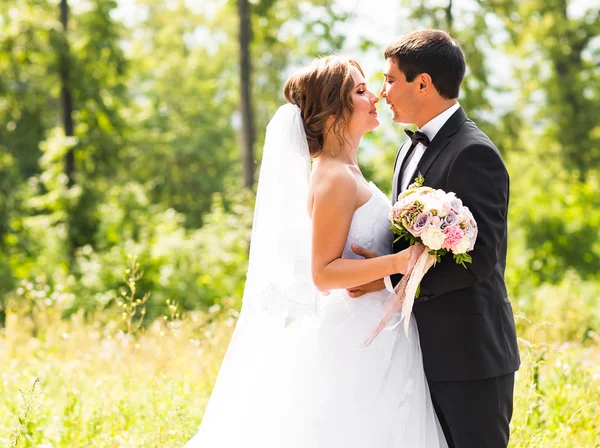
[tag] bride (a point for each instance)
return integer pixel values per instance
(296, 373)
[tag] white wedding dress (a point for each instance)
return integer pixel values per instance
(310, 383)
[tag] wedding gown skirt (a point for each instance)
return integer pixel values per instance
(311, 384)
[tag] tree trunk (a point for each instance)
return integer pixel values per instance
(449, 16)
(245, 38)
(66, 101)
(65, 93)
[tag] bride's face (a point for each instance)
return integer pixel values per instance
(364, 117)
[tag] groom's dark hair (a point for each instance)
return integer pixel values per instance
(433, 52)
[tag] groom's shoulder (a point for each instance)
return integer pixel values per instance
(469, 134)
(472, 144)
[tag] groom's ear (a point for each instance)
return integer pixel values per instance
(425, 82)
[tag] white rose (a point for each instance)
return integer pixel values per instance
(433, 238)
(463, 245)
(434, 204)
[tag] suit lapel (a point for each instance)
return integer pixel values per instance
(397, 165)
(429, 156)
(439, 142)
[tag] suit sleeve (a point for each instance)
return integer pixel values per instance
(479, 178)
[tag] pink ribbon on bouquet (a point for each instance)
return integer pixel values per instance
(403, 297)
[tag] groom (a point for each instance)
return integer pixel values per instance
(464, 316)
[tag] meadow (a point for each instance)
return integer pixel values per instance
(87, 381)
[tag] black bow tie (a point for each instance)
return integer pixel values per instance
(417, 137)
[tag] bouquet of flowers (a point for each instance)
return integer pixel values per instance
(435, 223)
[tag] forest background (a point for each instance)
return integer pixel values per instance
(130, 141)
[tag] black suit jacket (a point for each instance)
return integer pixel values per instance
(465, 319)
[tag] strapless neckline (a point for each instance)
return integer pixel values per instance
(372, 187)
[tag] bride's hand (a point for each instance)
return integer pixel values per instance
(402, 260)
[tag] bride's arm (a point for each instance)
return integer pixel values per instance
(334, 203)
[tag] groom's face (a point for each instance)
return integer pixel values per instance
(398, 94)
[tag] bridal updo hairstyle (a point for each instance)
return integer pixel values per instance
(321, 90)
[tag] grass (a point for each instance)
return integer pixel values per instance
(78, 383)
(97, 386)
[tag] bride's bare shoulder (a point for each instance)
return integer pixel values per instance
(328, 176)
(333, 183)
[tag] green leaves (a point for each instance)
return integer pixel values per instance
(462, 259)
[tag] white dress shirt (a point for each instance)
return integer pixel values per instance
(430, 129)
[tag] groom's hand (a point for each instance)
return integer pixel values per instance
(377, 285)
(365, 253)
(361, 290)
